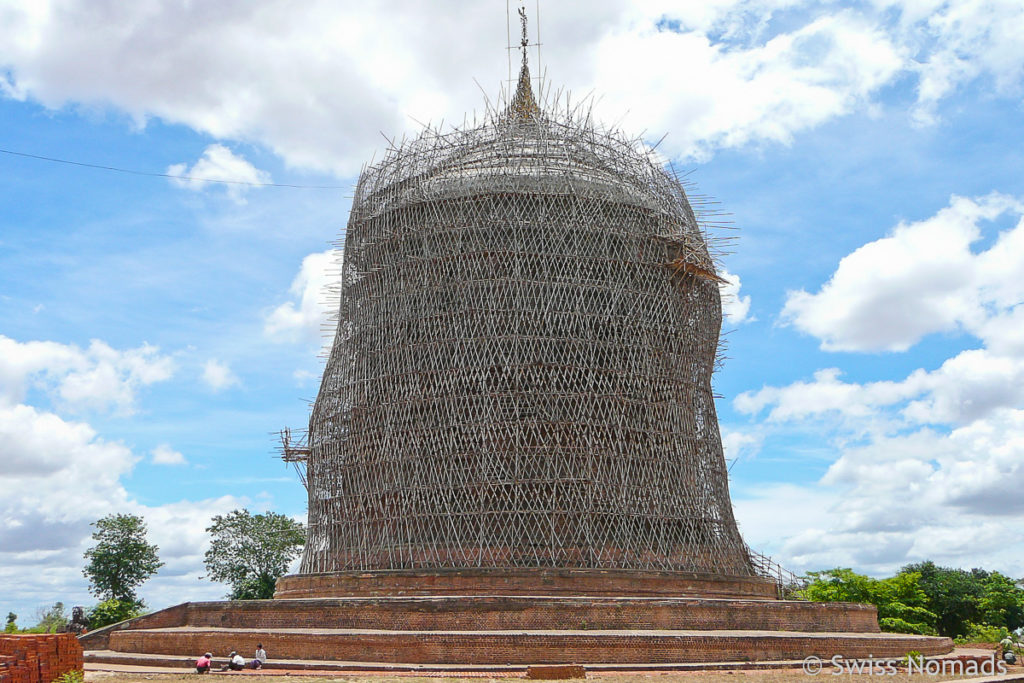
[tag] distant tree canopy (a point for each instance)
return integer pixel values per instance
(926, 599)
(962, 598)
(112, 611)
(901, 603)
(53, 619)
(121, 560)
(249, 552)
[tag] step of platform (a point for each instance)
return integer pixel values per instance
(501, 647)
(562, 582)
(454, 613)
(108, 660)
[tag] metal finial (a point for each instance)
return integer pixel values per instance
(523, 106)
(525, 41)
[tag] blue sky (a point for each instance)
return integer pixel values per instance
(155, 332)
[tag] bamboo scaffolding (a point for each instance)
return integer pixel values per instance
(528, 324)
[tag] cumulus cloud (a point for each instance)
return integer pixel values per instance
(58, 476)
(740, 444)
(732, 96)
(716, 75)
(308, 316)
(165, 455)
(218, 375)
(967, 40)
(924, 277)
(218, 166)
(926, 466)
(735, 307)
(96, 378)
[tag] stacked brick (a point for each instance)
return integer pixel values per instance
(38, 658)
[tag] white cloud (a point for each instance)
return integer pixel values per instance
(303, 377)
(927, 466)
(218, 375)
(920, 279)
(725, 77)
(97, 378)
(735, 307)
(738, 444)
(165, 455)
(967, 39)
(875, 529)
(309, 316)
(218, 166)
(730, 96)
(58, 476)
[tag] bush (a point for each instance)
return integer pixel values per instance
(897, 625)
(112, 611)
(902, 605)
(914, 657)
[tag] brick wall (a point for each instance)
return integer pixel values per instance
(99, 639)
(488, 613)
(528, 647)
(589, 582)
(38, 658)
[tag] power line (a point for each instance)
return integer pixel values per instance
(168, 175)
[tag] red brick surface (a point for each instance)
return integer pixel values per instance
(484, 613)
(38, 658)
(554, 673)
(576, 582)
(532, 647)
(517, 617)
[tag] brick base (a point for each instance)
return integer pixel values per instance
(527, 647)
(492, 613)
(517, 618)
(575, 582)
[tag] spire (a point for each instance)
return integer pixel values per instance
(523, 107)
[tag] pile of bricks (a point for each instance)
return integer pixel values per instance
(38, 658)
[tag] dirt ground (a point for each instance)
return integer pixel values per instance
(756, 676)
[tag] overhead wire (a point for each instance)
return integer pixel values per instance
(169, 175)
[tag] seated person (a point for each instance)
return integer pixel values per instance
(203, 663)
(235, 662)
(261, 657)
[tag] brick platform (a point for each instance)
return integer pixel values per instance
(525, 647)
(517, 618)
(574, 582)
(38, 658)
(482, 613)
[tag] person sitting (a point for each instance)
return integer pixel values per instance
(235, 662)
(204, 663)
(261, 657)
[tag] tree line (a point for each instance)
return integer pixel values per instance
(966, 605)
(248, 552)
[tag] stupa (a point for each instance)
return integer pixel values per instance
(514, 456)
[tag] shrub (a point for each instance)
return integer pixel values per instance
(71, 677)
(112, 611)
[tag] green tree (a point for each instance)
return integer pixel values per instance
(51, 620)
(112, 611)
(965, 600)
(249, 552)
(12, 623)
(953, 595)
(1001, 602)
(901, 602)
(121, 560)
